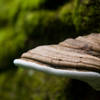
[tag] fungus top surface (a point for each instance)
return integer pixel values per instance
(82, 53)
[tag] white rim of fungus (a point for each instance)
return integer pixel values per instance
(92, 78)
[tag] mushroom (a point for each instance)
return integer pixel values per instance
(77, 58)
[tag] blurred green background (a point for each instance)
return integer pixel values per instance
(25, 24)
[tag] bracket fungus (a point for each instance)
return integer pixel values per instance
(77, 58)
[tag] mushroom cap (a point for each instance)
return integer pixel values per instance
(75, 58)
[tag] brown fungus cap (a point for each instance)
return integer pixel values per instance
(82, 53)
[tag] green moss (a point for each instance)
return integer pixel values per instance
(65, 16)
(28, 85)
(43, 23)
(65, 12)
(36, 22)
(10, 9)
(86, 16)
(10, 43)
(76, 15)
(31, 4)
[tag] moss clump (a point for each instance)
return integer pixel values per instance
(30, 85)
(27, 85)
(10, 9)
(10, 44)
(87, 16)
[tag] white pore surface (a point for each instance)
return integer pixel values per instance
(92, 78)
